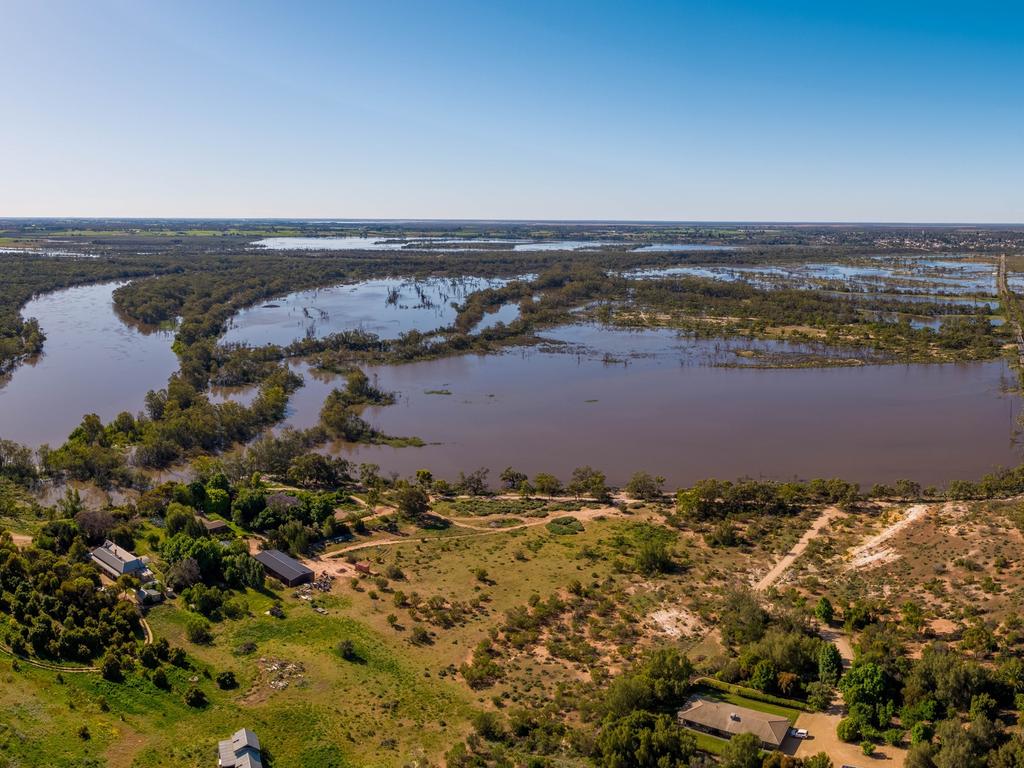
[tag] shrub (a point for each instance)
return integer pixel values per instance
(848, 730)
(489, 726)
(347, 650)
(226, 680)
(159, 679)
(198, 630)
(110, 667)
(194, 697)
(565, 526)
(819, 696)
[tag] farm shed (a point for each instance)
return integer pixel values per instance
(285, 569)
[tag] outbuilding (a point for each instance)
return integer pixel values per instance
(242, 750)
(285, 569)
(214, 526)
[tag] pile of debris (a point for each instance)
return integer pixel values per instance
(322, 583)
(280, 673)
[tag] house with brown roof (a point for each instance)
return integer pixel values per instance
(725, 720)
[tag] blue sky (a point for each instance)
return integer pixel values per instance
(810, 111)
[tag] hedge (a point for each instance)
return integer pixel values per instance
(753, 693)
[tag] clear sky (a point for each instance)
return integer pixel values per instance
(716, 110)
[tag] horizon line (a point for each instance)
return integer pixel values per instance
(429, 220)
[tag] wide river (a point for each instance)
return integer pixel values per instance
(544, 412)
(91, 363)
(663, 407)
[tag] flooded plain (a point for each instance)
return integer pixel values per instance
(359, 243)
(388, 308)
(619, 400)
(685, 409)
(663, 406)
(92, 362)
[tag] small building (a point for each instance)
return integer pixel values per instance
(116, 561)
(215, 527)
(726, 720)
(285, 569)
(364, 567)
(282, 502)
(148, 596)
(240, 751)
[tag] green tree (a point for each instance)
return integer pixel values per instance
(763, 676)
(511, 478)
(198, 629)
(217, 502)
(587, 481)
(194, 697)
(742, 751)
(818, 760)
(830, 664)
(644, 740)
(413, 502)
(547, 485)
(863, 684)
(824, 611)
(645, 486)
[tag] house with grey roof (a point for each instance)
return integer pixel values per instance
(117, 561)
(285, 569)
(726, 720)
(242, 750)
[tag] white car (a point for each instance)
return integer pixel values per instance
(798, 733)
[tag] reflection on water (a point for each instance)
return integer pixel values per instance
(388, 308)
(914, 276)
(91, 363)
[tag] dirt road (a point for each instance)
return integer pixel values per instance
(334, 564)
(773, 576)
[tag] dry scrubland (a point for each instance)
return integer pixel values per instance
(400, 700)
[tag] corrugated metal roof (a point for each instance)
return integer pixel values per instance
(283, 565)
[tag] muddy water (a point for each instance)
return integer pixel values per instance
(669, 415)
(617, 400)
(91, 363)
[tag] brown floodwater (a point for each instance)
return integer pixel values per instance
(91, 363)
(620, 401)
(670, 412)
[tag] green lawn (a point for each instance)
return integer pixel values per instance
(742, 701)
(708, 743)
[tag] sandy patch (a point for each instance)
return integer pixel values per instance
(874, 551)
(777, 571)
(676, 622)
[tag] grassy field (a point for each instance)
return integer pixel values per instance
(399, 703)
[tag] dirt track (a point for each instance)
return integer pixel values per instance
(335, 564)
(770, 578)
